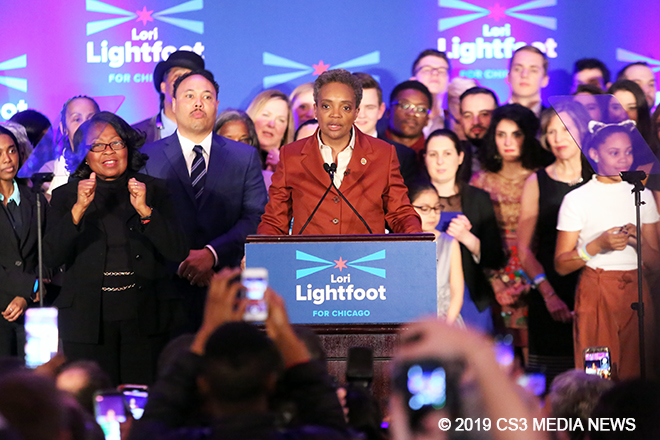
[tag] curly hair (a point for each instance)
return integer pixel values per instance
(133, 139)
(338, 76)
(532, 155)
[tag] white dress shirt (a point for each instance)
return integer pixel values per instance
(187, 149)
(343, 158)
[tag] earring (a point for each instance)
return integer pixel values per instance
(595, 160)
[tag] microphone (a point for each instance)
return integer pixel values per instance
(330, 169)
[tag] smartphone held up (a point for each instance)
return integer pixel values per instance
(255, 282)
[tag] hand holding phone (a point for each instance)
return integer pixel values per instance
(255, 282)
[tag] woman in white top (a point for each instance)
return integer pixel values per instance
(74, 112)
(596, 232)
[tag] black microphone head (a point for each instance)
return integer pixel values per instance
(326, 167)
(333, 167)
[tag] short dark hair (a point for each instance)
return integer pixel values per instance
(368, 82)
(414, 85)
(532, 49)
(232, 114)
(590, 89)
(478, 91)
(339, 76)
(307, 122)
(429, 52)
(239, 363)
(532, 154)
(592, 63)
(35, 124)
(419, 186)
(622, 72)
(205, 73)
(133, 139)
(21, 154)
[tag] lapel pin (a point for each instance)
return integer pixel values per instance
(363, 161)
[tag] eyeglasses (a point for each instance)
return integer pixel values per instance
(428, 70)
(428, 209)
(101, 147)
(418, 110)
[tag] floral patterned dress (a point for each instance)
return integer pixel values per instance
(506, 195)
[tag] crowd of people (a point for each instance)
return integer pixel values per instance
(534, 228)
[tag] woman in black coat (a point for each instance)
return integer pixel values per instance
(18, 246)
(468, 216)
(114, 230)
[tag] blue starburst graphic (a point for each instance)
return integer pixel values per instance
(631, 57)
(270, 59)
(325, 264)
(479, 12)
(10, 81)
(104, 8)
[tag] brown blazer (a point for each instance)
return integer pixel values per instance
(372, 183)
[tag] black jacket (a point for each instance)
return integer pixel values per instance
(18, 262)
(173, 399)
(478, 208)
(82, 249)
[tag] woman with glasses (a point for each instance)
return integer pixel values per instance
(114, 230)
(468, 216)
(510, 155)
(451, 285)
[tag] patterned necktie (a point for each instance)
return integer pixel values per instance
(198, 172)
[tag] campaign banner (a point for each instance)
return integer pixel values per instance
(350, 282)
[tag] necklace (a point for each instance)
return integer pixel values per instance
(570, 182)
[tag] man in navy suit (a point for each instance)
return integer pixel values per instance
(216, 184)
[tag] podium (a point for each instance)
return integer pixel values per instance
(352, 290)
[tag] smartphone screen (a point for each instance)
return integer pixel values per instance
(597, 361)
(41, 335)
(136, 399)
(428, 388)
(255, 281)
(110, 410)
(533, 382)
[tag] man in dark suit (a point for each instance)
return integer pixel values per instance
(476, 106)
(216, 184)
(372, 108)
(166, 73)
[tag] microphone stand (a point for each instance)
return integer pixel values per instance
(635, 178)
(331, 171)
(38, 180)
(328, 168)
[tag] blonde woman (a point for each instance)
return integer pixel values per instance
(271, 112)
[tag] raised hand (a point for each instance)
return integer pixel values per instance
(86, 191)
(138, 192)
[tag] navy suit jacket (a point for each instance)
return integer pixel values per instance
(233, 200)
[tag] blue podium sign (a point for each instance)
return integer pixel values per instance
(350, 282)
